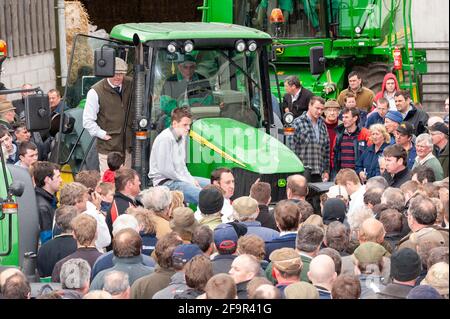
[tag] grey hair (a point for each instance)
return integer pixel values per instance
(116, 282)
(356, 219)
(425, 137)
(377, 182)
(394, 198)
(156, 199)
(75, 274)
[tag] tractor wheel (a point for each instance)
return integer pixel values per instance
(372, 74)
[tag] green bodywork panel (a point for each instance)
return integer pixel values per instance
(258, 151)
(184, 30)
(13, 257)
(313, 83)
(383, 26)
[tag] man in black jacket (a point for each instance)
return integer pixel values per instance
(260, 191)
(396, 172)
(127, 188)
(417, 118)
(48, 180)
(297, 98)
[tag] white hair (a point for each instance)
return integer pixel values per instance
(356, 219)
(125, 221)
(156, 199)
(425, 137)
(116, 282)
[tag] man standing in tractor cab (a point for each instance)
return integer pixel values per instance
(105, 113)
(417, 118)
(310, 141)
(168, 155)
(297, 98)
(364, 96)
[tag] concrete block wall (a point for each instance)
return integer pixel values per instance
(431, 32)
(37, 70)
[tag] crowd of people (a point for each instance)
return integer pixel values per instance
(381, 231)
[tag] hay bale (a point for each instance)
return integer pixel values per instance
(77, 21)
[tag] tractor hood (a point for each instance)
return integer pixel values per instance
(224, 140)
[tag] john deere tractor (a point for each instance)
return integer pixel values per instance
(360, 35)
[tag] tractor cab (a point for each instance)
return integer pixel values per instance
(220, 71)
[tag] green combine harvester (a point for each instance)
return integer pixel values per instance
(360, 35)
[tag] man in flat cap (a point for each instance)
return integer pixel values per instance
(245, 210)
(105, 114)
(287, 266)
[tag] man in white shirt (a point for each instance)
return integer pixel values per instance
(104, 115)
(348, 178)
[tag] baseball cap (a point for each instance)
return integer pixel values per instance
(439, 127)
(225, 237)
(185, 252)
(405, 128)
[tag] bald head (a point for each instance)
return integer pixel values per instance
(322, 271)
(267, 292)
(371, 230)
(434, 119)
(244, 268)
(297, 187)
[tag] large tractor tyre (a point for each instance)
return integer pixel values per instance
(373, 74)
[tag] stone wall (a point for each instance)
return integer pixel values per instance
(37, 70)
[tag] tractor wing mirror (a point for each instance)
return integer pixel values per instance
(37, 112)
(16, 188)
(104, 64)
(316, 60)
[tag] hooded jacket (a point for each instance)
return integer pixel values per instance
(383, 89)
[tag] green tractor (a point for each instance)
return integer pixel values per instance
(234, 125)
(370, 36)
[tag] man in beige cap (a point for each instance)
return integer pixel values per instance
(184, 223)
(368, 259)
(301, 290)
(7, 114)
(287, 266)
(245, 212)
(105, 114)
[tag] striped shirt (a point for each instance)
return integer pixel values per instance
(347, 149)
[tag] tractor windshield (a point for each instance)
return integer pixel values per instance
(294, 19)
(214, 83)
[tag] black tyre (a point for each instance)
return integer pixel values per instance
(373, 74)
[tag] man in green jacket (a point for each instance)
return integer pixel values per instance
(439, 136)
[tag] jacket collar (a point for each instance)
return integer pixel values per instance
(44, 193)
(124, 197)
(127, 260)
